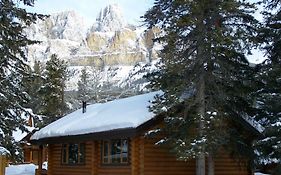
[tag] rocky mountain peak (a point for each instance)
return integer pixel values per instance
(110, 42)
(110, 19)
(67, 25)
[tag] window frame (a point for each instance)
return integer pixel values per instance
(65, 154)
(109, 153)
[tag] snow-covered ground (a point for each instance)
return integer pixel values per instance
(23, 169)
(29, 169)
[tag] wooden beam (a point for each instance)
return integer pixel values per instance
(2, 164)
(50, 160)
(30, 155)
(94, 158)
(134, 156)
(40, 155)
(141, 155)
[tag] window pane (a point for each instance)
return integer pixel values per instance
(116, 151)
(105, 152)
(82, 153)
(73, 153)
(124, 151)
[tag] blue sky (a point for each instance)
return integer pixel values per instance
(132, 9)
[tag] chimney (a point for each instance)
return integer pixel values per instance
(84, 106)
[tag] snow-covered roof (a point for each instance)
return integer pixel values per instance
(118, 114)
(4, 151)
(254, 123)
(19, 134)
(126, 113)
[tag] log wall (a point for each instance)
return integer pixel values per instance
(110, 169)
(145, 159)
(159, 161)
(55, 167)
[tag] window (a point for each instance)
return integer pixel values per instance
(115, 151)
(73, 153)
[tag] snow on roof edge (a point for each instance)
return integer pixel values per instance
(254, 123)
(4, 151)
(123, 113)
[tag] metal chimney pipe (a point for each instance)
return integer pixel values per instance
(84, 106)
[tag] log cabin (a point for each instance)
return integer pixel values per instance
(31, 151)
(110, 139)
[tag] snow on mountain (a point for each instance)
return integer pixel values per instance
(123, 76)
(109, 42)
(67, 35)
(110, 19)
(66, 25)
(59, 34)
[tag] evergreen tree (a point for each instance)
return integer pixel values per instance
(269, 94)
(95, 85)
(204, 75)
(33, 83)
(52, 91)
(84, 86)
(13, 20)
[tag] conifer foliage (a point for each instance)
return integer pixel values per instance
(13, 20)
(33, 84)
(84, 86)
(54, 105)
(269, 93)
(204, 71)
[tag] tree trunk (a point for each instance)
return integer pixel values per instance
(200, 162)
(203, 57)
(211, 165)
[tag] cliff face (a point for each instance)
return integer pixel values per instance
(109, 19)
(110, 40)
(110, 44)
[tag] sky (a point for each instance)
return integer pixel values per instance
(89, 9)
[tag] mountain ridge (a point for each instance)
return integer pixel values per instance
(66, 35)
(109, 42)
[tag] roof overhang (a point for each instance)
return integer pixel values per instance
(111, 134)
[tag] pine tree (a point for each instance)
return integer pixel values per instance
(95, 85)
(269, 94)
(33, 83)
(204, 75)
(84, 86)
(52, 91)
(13, 41)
